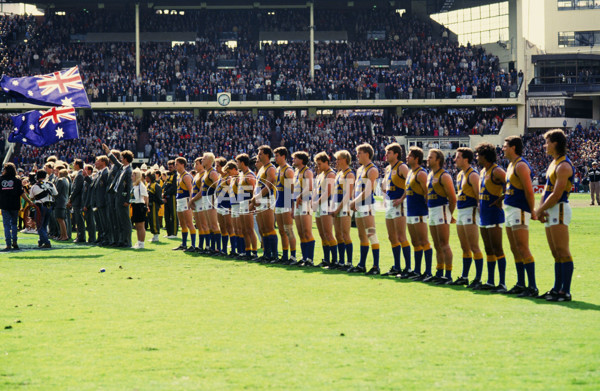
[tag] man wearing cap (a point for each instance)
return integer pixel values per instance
(594, 178)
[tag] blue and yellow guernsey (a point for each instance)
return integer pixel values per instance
(299, 183)
(395, 183)
(416, 205)
(197, 184)
(467, 196)
(222, 193)
(280, 185)
(362, 181)
(515, 193)
(207, 183)
(436, 195)
(262, 176)
(322, 184)
(233, 190)
(489, 192)
(551, 179)
(341, 184)
(245, 191)
(182, 190)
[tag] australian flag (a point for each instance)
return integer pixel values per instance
(62, 88)
(42, 128)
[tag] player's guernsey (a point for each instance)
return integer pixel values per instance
(489, 192)
(436, 195)
(515, 194)
(197, 184)
(362, 182)
(262, 176)
(395, 182)
(341, 184)
(416, 205)
(280, 185)
(233, 190)
(182, 190)
(245, 189)
(466, 197)
(322, 184)
(551, 179)
(299, 182)
(208, 187)
(222, 193)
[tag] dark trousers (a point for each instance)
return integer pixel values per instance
(171, 221)
(123, 224)
(90, 224)
(79, 224)
(110, 221)
(153, 219)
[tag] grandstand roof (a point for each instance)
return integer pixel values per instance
(433, 6)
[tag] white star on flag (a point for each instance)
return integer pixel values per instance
(29, 93)
(22, 118)
(59, 133)
(24, 140)
(15, 83)
(32, 126)
(6, 89)
(67, 102)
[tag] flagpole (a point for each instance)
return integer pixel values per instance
(137, 40)
(11, 148)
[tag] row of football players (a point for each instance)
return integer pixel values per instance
(226, 199)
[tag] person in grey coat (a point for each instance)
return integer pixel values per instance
(122, 187)
(88, 211)
(76, 201)
(100, 200)
(60, 203)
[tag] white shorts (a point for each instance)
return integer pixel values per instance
(182, 204)
(261, 205)
(244, 207)
(392, 212)
(207, 203)
(417, 219)
(198, 205)
(344, 212)
(467, 216)
(279, 210)
(365, 210)
(439, 215)
(235, 210)
(516, 217)
(559, 214)
(303, 209)
(322, 210)
(224, 211)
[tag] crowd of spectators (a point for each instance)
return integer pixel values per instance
(421, 64)
(447, 122)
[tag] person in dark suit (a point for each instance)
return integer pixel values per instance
(169, 193)
(122, 187)
(60, 203)
(88, 190)
(76, 201)
(100, 200)
(113, 175)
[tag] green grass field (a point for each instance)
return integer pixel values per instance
(158, 320)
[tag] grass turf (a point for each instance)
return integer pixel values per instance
(157, 319)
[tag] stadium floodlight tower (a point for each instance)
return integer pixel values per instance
(311, 7)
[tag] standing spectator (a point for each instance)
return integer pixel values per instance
(139, 207)
(594, 178)
(88, 191)
(122, 189)
(76, 201)
(60, 204)
(11, 192)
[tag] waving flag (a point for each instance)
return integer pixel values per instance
(62, 88)
(42, 128)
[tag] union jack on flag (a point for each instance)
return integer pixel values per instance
(61, 81)
(56, 114)
(62, 88)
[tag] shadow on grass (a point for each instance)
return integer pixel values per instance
(58, 257)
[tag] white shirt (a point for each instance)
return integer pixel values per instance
(138, 192)
(40, 187)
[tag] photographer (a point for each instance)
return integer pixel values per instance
(42, 193)
(11, 192)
